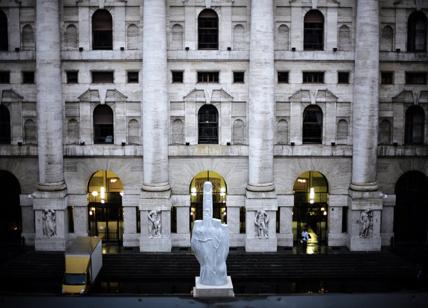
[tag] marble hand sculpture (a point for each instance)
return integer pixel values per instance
(210, 243)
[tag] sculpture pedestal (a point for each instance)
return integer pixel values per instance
(201, 290)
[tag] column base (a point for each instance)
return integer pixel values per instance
(285, 240)
(131, 240)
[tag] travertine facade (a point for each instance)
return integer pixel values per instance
(260, 151)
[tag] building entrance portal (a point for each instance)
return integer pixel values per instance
(105, 212)
(219, 196)
(10, 219)
(310, 209)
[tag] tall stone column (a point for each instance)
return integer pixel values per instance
(50, 199)
(365, 200)
(260, 195)
(156, 191)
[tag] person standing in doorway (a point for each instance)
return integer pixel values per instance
(305, 238)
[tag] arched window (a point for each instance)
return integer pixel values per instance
(4, 125)
(387, 39)
(27, 37)
(73, 131)
(239, 41)
(103, 124)
(102, 30)
(238, 132)
(345, 43)
(312, 124)
(314, 31)
(342, 131)
(282, 38)
(384, 132)
(70, 37)
(414, 130)
(417, 32)
(282, 132)
(30, 132)
(176, 37)
(208, 30)
(177, 132)
(132, 36)
(208, 125)
(3, 31)
(133, 132)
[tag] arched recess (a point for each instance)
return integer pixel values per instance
(282, 132)
(313, 31)
(30, 132)
(4, 42)
(239, 39)
(238, 132)
(71, 37)
(312, 124)
(387, 39)
(10, 219)
(102, 30)
(411, 209)
(208, 125)
(342, 131)
(208, 29)
(5, 136)
(105, 211)
(196, 191)
(282, 38)
(345, 42)
(27, 38)
(103, 125)
(417, 32)
(310, 209)
(177, 33)
(414, 125)
(133, 132)
(177, 132)
(384, 132)
(132, 36)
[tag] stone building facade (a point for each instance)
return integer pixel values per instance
(259, 92)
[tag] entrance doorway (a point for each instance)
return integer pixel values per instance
(411, 209)
(10, 219)
(310, 210)
(197, 192)
(105, 191)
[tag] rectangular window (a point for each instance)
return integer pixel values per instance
(238, 77)
(242, 220)
(132, 77)
(282, 77)
(344, 219)
(70, 219)
(416, 77)
(208, 77)
(387, 77)
(28, 77)
(313, 77)
(177, 76)
(173, 219)
(4, 77)
(102, 77)
(343, 77)
(72, 76)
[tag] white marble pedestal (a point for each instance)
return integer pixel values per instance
(201, 290)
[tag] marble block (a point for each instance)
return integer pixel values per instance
(201, 290)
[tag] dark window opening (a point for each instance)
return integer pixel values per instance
(313, 31)
(4, 77)
(70, 219)
(208, 125)
(282, 77)
(28, 77)
(238, 77)
(103, 125)
(344, 219)
(313, 77)
(72, 76)
(3, 32)
(208, 77)
(242, 220)
(387, 77)
(417, 32)
(416, 78)
(177, 76)
(102, 77)
(312, 125)
(132, 77)
(102, 30)
(208, 30)
(414, 126)
(343, 77)
(173, 219)
(4, 125)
